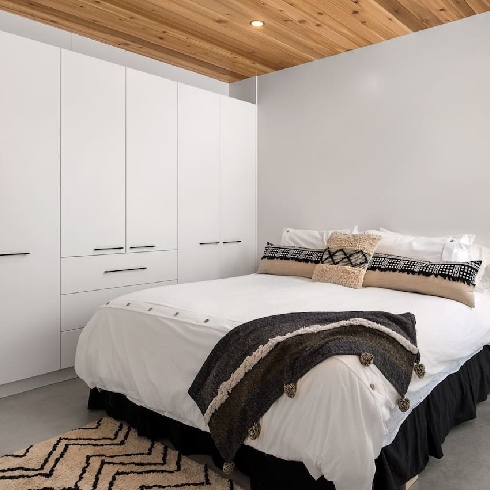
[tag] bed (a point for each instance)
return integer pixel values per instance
(147, 347)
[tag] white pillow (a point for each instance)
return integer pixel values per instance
(454, 248)
(478, 252)
(310, 238)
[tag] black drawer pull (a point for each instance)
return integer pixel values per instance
(108, 248)
(126, 270)
(14, 254)
(143, 246)
(234, 241)
(208, 243)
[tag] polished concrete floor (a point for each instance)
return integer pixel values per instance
(40, 414)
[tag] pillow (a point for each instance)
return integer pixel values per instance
(346, 259)
(452, 280)
(309, 238)
(454, 248)
(290, 261)
(478, 252)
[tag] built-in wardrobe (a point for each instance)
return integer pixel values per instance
(111, 180)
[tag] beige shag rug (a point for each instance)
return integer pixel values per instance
(107, 455)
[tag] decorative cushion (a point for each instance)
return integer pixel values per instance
(292, 237)
(290, 261)
(452, 280)
(346, 259)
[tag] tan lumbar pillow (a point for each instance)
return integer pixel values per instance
(290, 261)
(451, 280)
(346, 259)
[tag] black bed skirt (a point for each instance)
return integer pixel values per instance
(451, 403)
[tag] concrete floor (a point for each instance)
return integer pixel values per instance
(40, 414)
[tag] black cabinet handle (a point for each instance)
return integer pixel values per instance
(234, 241)
(107, 248)
(142, 246)
(208, 243)
(126, 270)
(14, 254)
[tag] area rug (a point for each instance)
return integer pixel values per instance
(107, 455)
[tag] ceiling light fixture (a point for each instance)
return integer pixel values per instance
(257, 23)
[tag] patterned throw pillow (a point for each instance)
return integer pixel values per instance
(346, 259)
(452, 280)
(289, 261)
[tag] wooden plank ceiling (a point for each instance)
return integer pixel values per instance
(215, 38)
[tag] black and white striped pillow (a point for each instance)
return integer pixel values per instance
(452, 280)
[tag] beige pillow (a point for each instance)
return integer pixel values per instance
(346, 259)
(290, 261)
(451, 280)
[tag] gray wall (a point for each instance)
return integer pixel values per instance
(394, 135)
(245, 90)
(57, 37)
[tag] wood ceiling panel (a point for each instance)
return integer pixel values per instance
(200, 21)
(479, 6)
(460, 8)
(351, 23)
(214, 37)
(131, 23)
(396, 8)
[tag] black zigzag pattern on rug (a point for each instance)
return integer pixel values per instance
(351, 258)
(20, 456)
(127, 469)
(58, 442)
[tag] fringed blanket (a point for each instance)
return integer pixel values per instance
(257, 362)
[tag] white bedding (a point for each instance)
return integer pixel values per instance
(338, 423)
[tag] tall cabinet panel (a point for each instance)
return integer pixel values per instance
(151, 146)
(29, 208)
(199, 184)
(238, 187)
(92, 156)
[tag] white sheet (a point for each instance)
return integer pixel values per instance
(149, 345)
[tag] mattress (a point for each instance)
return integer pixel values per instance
(149, 346)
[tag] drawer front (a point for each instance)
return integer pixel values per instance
(77, 309)
(92, 273)
(69, 342)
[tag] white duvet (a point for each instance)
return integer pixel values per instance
(149, 346)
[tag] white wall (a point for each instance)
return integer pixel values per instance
(245, 90)
(57, 37)
(395, 135)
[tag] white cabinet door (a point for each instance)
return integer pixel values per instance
(238, 187)
(29, 208)
(92, 156)
(199, 184)
(151, 129)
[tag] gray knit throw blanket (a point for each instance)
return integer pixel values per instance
(259, 361)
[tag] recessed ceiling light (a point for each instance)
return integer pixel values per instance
(257, 23)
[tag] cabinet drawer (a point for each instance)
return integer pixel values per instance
(77, 309)
(69, 342)
(112, 271)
